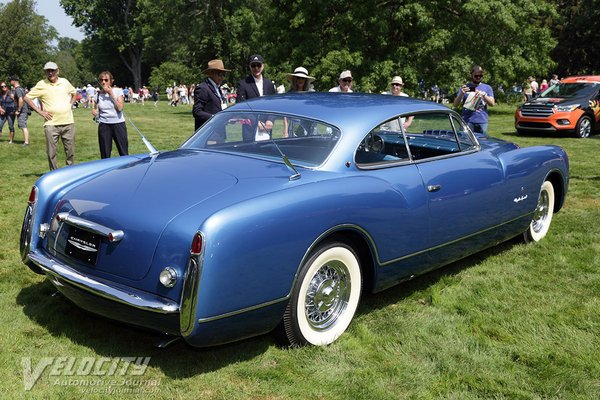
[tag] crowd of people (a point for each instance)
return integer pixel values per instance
(54, 98)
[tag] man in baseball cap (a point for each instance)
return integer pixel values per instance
(57, 96)
(255, 85)
(345, 83)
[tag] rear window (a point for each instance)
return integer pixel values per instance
(304, 141)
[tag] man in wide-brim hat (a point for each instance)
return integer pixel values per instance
(301, 81)
(208, 97)
(215, 65)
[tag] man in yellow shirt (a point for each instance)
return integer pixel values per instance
(57, 96)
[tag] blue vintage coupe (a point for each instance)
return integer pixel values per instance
(280, 211)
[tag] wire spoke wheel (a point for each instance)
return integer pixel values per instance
(325, 297)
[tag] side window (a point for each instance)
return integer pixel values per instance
(383, 145)
(437, 134)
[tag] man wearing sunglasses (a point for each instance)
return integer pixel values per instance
(345, 83)
(57, 96)
(475, 98)
(255, 85)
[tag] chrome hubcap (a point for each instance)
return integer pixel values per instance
(541, 212)
(327, 295)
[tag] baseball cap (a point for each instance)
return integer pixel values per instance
(346, 74)
(256, 58)
(50, 65)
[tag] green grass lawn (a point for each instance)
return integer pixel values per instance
(515, 322)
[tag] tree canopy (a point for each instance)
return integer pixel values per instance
(26, 41)
(159, 42)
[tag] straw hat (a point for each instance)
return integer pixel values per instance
(397, 80)
(301, 72)
(215, 65)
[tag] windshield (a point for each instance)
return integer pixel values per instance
(304, 141)
(570, 90)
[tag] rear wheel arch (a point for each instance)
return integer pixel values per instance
(558, 182)
(296, 328)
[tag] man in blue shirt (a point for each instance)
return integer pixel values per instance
(475, 98)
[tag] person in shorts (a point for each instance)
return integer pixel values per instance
(22, 112)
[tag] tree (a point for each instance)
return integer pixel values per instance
(434, 40)
(578, 32)
(119, 24)
(26, 44)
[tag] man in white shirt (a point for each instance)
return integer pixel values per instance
(255, 85)
(345, 81)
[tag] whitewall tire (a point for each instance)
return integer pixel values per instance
(542, 216)
(325, 297)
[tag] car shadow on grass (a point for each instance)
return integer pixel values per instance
(108, 338)
(403, 291)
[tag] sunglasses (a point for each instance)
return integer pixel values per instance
(220, 74)
(477, 76)
(255, 65)
(396, 84)
(347, 80)
(50, 71)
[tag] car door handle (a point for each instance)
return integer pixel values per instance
(433, 188)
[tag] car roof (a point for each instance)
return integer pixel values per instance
(348, 111)
(581, 79)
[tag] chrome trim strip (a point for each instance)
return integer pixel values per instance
(439, 246)
(113, 235)
(191, 289)
(58, 271)
(27, 231)
(380, 264)
(243, 310)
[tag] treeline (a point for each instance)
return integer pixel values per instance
(158, 42)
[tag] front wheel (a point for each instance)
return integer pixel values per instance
(542, 216)
(325, 297)
(584, 127)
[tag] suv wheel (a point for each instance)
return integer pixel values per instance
(584, 127)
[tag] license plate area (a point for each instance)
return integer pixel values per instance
(82, 245)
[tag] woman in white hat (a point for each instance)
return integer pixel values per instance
(301, 81)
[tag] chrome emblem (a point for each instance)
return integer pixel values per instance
(519, 199)
(82, 244)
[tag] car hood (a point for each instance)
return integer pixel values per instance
(558, 101)
(144, 197)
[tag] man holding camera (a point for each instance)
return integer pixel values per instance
(475, 97)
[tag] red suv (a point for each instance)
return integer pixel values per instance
(571, 106)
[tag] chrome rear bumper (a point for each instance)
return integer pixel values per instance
(60, 273)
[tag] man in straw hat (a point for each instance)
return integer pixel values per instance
(208, 98)
(301, 81)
